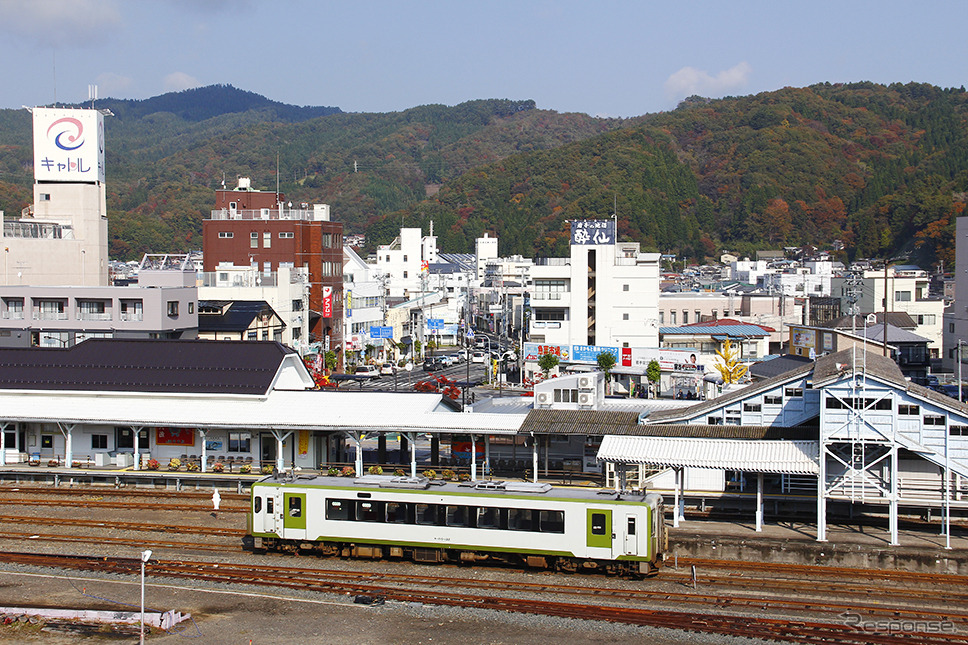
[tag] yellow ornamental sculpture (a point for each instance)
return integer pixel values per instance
(731, 369)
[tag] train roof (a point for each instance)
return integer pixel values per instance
(491, 488)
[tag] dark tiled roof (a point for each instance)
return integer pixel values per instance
(777, 366)
(176, 366)
(236, 318)
(579, 422)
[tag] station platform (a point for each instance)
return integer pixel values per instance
(921, 545)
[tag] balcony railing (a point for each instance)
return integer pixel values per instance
(92, 315)
(132, 316)
(38, 230)
(12, 315)
(264, 213)
(50, 315)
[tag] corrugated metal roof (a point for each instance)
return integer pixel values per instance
(779, 457)
(579, 422)
(733, 331)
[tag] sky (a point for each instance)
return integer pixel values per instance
(606, 58)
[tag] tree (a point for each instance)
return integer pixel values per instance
(606, 361)
(547, 363)
(653, 372)
(330, 360)
(731, 369)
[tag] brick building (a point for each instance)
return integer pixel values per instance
(258, 229)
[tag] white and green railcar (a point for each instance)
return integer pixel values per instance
(521, 524)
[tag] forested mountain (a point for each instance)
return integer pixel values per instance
(882, 169)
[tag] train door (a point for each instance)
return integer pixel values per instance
(273, 503)
(631, 535)
(599, 535)
(294, 515)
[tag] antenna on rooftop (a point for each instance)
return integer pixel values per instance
(92, 94)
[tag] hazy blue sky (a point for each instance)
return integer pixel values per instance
(601, 57)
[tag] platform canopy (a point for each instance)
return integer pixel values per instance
(757, 456)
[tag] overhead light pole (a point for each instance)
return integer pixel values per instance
(145, 556)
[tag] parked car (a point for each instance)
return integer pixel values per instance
(388, 369)
(478, 357)
(371, 371)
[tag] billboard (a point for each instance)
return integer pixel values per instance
(589, 353)
(534, 351)
(327, 302)
(68, 145)
(593, 231)
(670, 360)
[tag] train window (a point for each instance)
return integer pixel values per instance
(457, 516)
(369, 511)
(268, 505)
(338, 509)
(397, 513)
(598, 523)
(519, 519)
(295, 507)
(489, 517)
(631, 528)
(257, 505)
(426, 514)
(551, 521)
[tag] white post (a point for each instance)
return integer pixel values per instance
(412, 440)
(68, 432)
(3, 446)
(137, 448)
(759, 502)
(358, 452)
(201, 437)
(675, 505)
(473, 458)
(682, 494)
(534, 457)
(145, 555)
(821, 495)
(894, 495)
(487, 455)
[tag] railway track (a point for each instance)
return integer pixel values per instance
(444, 591)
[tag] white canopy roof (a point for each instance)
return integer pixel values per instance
(750, 455)
(281, 409)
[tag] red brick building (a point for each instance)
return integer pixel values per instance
(258, 228)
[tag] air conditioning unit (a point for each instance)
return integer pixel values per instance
(585, 382)
(543, 397)
(584, 399)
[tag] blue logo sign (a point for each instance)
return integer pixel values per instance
(593, 231)
(589, 353)
(435, 324)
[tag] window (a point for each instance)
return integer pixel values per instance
(902, 296)
(685, 317)
(625, 316)
(772, 400)
(793, 391)
(426, 514)
(958, 431)
(598, 524)
(488, 518)
(625, 287)
(661, 317)
(543, 313)
(369, 511)
(397, 513)
(99, 442)
(456, 516)
(551, 521)
(337, 509)
(751, 407)
(257, 505)
(191, 308)
(266, 240)
(286, 235)
(44, 197)
(172, 308)
(934, 420)
(295, 506)
(520, 519)
(226, 235)
(46, 441)
(405, 274)
(566, 396)
(908, 409)
(240, 441)
(269, 505)
(253, 240)
(714, 421)
(925, 319)
(124, 438)
(672, 318)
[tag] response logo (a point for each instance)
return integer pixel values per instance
(67, 133)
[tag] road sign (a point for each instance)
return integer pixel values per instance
(381, 332)
(435, 323)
